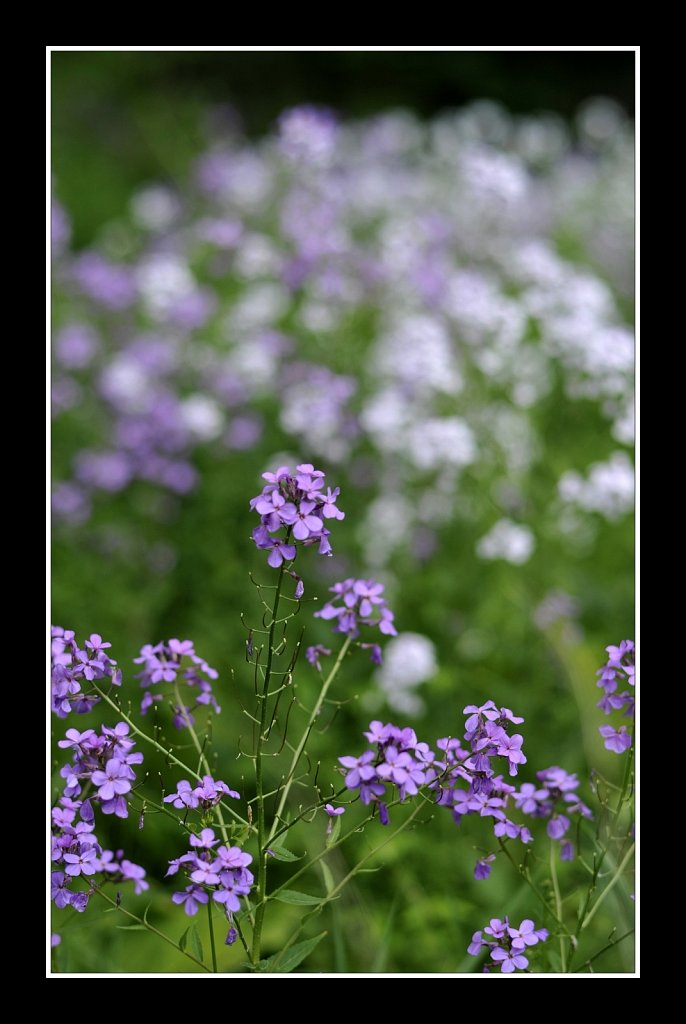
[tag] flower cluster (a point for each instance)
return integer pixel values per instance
(487, 794)
(176, 663)
(297, 504)
(221, 873)
(359, 603)
(208, 793)
(506, 944)
(76, 853)
(73, 668)
(555, 799)
(398, 759)
(101, 762)
(619, 670)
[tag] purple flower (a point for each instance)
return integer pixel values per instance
(476, 945)
(113, 781)
(294, 503)
(620, 667)
(191, 898)
(205, 841)
(482, 868)
(81, 863)
(333, 812)
(510, 960)
(176, 662)
(134, 873)
(231, 937)
(361, 603)
(59, 892)
(523, 936)
(204, 873)
(616, 740)
(557, 826)
(313, 654)
(360, 769)
(73, 669)
(497, 928)
(183, 797)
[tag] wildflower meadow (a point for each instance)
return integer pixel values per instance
(342, 654)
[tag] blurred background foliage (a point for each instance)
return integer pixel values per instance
(146, 565)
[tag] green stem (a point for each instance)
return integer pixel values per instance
(167, 753)
(259, 781)
(203, 762)
(358, 867)
(298, 752)
(610, 886)
(534, 888)
(627, 775)
(151, 928)
(558, 905)
(609, 945)
(214, 951)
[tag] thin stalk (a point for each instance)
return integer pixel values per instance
(611, 884)
(558, 905)
(358, 867)
(534, 888)
(204, 763)
(167, 753)
(259, 781)
(627, 775)
(298, 752)
(151, 928)
(609, 945)
(214, 951)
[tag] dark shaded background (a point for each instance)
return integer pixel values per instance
(108, 106)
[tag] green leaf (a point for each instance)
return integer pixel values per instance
(328, 878)
(132, 928)
(281, 853)
(284, 963)
(335, 831)
(298, 899)
(195, 943)
(183, 941)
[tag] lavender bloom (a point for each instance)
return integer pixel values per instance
(508, 943)
(482, 868)
(208, 793)
(74, 668)
(616, 740)
(487, 737)
(509, 960)
(476, 945)
(523, 936)
(293, 502)
(362, 603)
(104, 761)
(191, 898)
(619, 668)
(497, 928)
(223, 876)
(313, 654)
(333, 812)
(176, 662)
(399, 760)
(555, 800)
